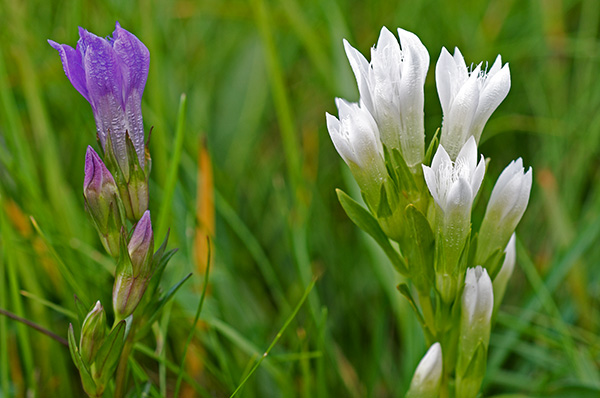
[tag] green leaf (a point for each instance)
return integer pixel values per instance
(419, 249)
(109, 353)
(405, 291)
(153, 311)
(365, 221)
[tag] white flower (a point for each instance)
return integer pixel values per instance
(455, 184)
(391, 88)
(428, 375)
(504, 210)
(468, 98)
(508, 265)
(478, 298)
(356, 138)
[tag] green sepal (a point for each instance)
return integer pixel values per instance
(419, 248)
(432, 148)
(494, 262)
(365, 221)
(383, 209)
(111, 161)
(109, 353)
(124, 264)
(405, 176)
(87, 381)
(470, 377)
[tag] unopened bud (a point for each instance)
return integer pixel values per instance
(102, 201)
(427, 378)
(475, 324)
(504, 211)
(93, 331)
(134, 269)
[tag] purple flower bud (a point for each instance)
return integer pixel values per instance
(93, 331)
(102, 201)
(111, 74)
(141, 245)
(135, 268)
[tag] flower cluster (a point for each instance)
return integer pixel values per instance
(111, 75)
(423, 199)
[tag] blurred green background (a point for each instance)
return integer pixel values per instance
(259, 76)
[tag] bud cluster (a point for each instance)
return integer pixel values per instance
(423, 199)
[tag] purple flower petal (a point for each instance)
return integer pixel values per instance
(73, 67)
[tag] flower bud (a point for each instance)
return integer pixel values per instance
(134, 269)
(391, 88)
(356, 138)
(504, 211)
(508, 265)
(468, 98)
(475, 326)
(93, 331)
(428, 376)
(102, 201)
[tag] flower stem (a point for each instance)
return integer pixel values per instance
(121, 379)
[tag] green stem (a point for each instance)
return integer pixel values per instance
(121, 380)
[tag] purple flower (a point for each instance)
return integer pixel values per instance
(111, 74)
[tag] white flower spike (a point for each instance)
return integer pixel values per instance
(428, 375)
(468, 98)
(391, 88)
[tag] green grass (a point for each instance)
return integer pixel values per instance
(258, 78)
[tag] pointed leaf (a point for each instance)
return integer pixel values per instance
(109, 353)
(419, 249)
(365, 221)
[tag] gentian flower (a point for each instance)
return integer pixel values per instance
(356, 138)
(507, 204)
(111, 74)
(453, 186)
(391, 89)
(428, 376)
(468, 98)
